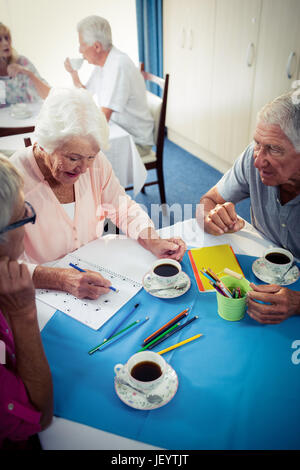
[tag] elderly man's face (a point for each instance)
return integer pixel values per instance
(275, 157)
(87, 51)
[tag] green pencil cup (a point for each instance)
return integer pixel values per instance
(233, 309)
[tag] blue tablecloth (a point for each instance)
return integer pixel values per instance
(238, 386)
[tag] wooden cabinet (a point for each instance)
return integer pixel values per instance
(278, 53)
(236, 34)
(188, 45)
(226, 59)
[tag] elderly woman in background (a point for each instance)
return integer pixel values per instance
(23, 84)
(72, 185)
(26, 386)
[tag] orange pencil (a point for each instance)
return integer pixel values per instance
(166, 326)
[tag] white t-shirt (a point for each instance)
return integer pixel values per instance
(120, 86)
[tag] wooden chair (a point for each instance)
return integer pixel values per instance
(158, 108)
(27, 141)
(6, 131)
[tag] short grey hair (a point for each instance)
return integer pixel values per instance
(67, 113)
(94, 28)
(285, 112)
(11, 183)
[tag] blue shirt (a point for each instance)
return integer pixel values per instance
(280, 223)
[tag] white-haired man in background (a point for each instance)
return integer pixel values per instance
(116, 83)
(268, 172)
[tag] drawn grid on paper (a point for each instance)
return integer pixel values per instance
(93, 313)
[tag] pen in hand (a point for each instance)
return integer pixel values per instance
(83, 271)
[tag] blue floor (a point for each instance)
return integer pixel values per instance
(187, 178)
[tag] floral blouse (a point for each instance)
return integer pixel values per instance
(20, 89)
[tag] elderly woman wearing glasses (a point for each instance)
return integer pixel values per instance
(26, 387)
(73, 188)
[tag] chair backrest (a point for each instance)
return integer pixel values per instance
(157, 106)
(6, 131)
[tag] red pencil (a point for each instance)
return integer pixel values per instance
(166, 326)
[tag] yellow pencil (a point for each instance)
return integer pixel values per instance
(179, 344)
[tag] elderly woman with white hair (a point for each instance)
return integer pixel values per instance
(116, 83)
(26, 386)
(73, 188)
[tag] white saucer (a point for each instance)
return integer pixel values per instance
(260, 271)
(20, 111)
(166, 390)
(166, 293)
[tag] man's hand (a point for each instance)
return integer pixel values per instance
(281, 303)
(17, 294)
(222, 219)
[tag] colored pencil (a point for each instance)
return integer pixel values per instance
(128, 330)
(160, 336)
(179, 344)
(105, 340)
(166, 326)
(160, 340)
(122, 321)
(83, 271)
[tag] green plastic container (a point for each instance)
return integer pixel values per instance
(233, 309)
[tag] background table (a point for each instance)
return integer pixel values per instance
(65, 434)
(122, 153)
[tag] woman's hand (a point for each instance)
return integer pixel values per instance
(279, 303)
(17, 294)
(173, 248)
(14, 69)
(89, 284)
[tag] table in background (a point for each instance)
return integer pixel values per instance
(65, 434)
(122, 153)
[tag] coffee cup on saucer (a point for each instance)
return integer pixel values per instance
(144, 370)
(278, 261)
(164, 272)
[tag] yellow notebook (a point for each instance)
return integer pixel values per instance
(214, 257)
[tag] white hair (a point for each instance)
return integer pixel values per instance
(94, 28)
(285, 112)
(11, 183)
(67, 113)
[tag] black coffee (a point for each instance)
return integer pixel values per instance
(166, 270)
(277, 258)
(146, 371)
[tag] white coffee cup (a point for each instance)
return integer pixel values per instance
(164, 272)
(278, 261)
(136, 366)
(76, 62)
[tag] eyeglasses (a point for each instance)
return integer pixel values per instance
(30, 217)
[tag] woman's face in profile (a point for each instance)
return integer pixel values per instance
(5, 45)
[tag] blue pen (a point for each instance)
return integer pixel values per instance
(83, 271)
(122, 321)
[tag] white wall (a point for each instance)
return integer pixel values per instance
(45, 31)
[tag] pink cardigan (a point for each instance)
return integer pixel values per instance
(98, 195)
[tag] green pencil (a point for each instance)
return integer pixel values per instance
(116, 334)
(158, 337)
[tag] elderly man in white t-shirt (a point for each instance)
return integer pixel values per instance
(116, 83)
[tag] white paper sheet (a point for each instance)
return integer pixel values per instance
(124, 262)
